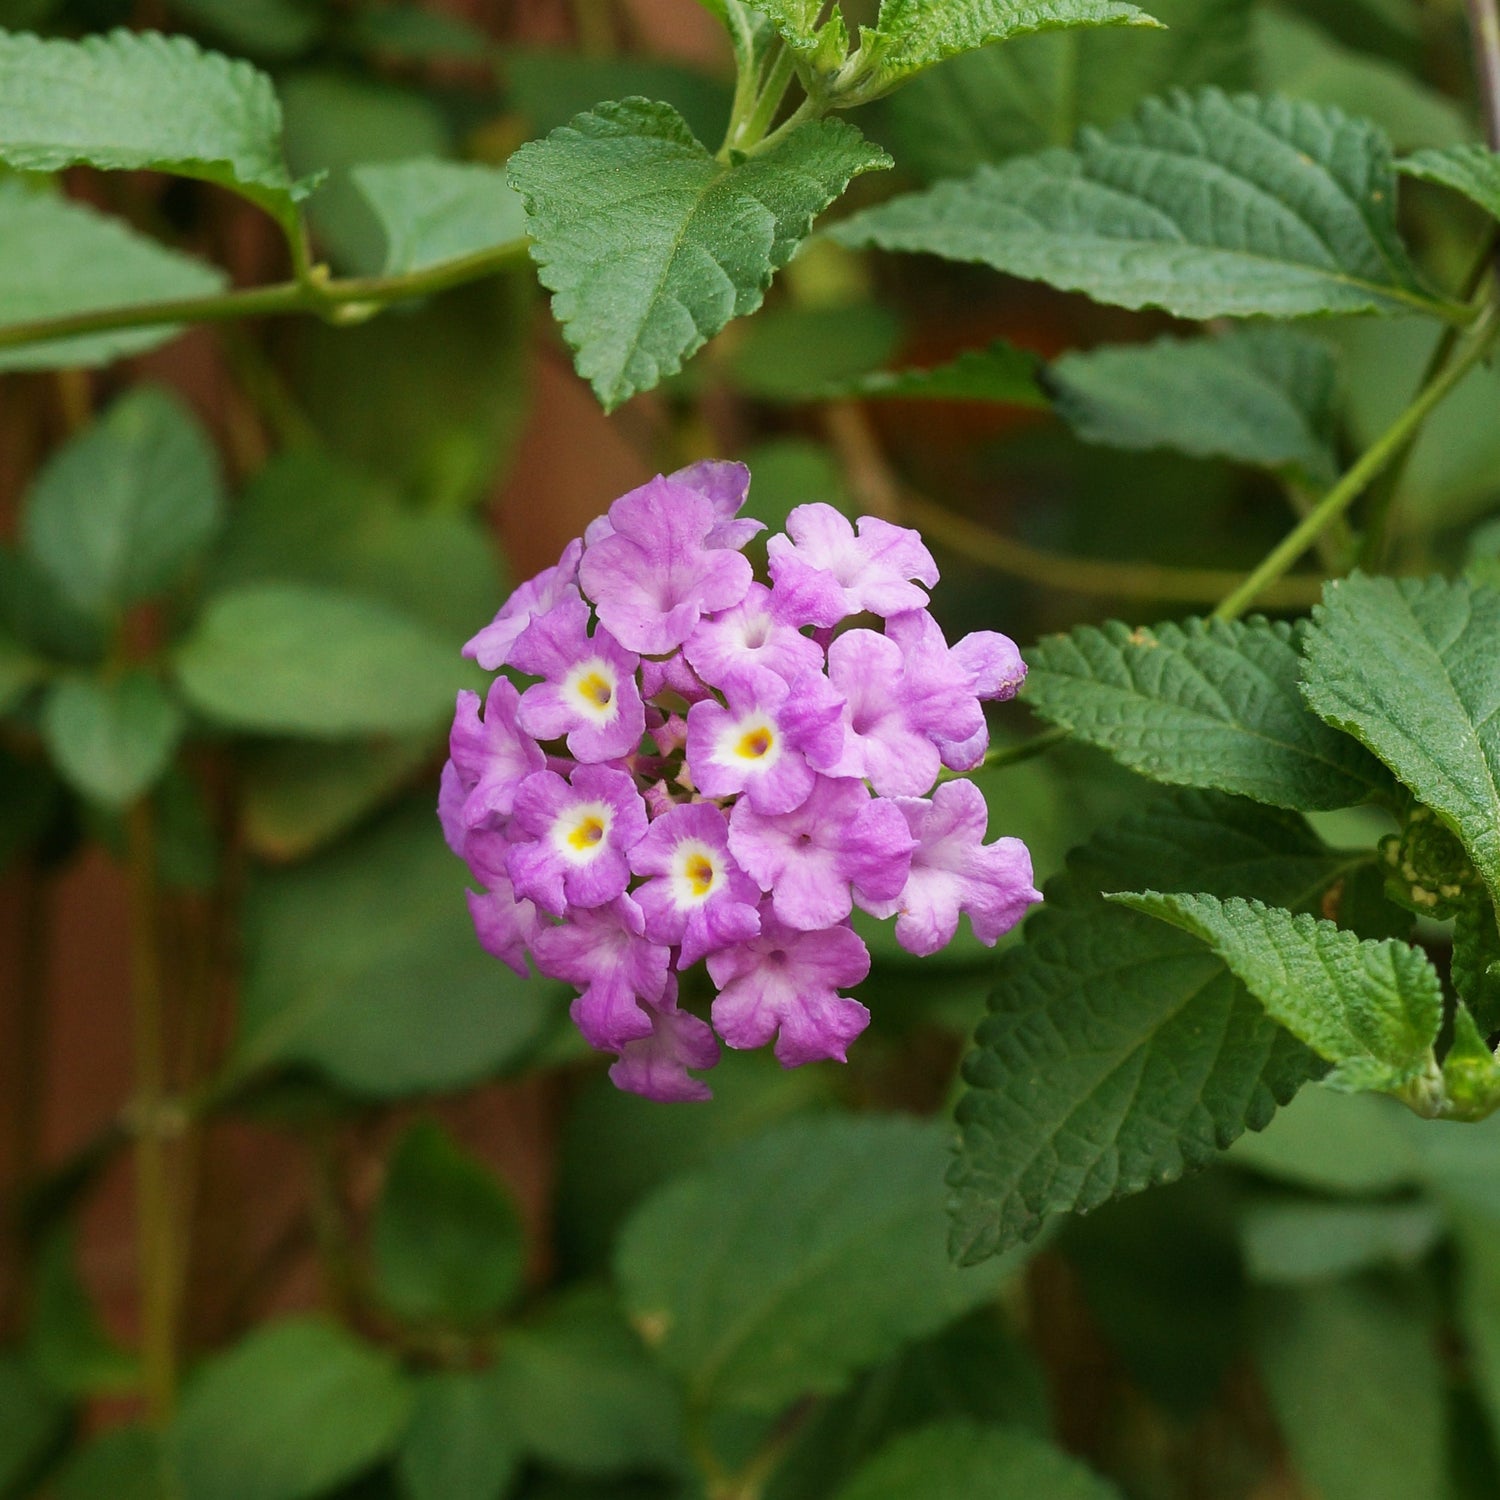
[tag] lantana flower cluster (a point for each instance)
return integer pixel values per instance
(681, 764)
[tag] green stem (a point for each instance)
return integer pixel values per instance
(779, 74)
(1383, 452)
(347, 300)
(1013, 755)
(1484, 27)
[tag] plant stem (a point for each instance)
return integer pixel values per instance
(156, 1235)
(1012, 755)
(347, 300)
(1382, 453)
(1484, 27)
(779, 74)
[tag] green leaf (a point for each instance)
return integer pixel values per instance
(435, 211)
(413, 35)
(111, 739)
(140, 99)
(59, 257)
(1476, 962)
(791, 353)
(19, 671)
(1472, 170)
(651, 246)
(446, 1243)
(118, 513)
(272, 29)
(289, 1413)
(1201, 204)
(999, 372)
(68, 1344)
(1372, 1009)
(1355, 1381)
(578, 1390)
(1205, 703)
(125, 1463)
(914, 34)
(962, 1460)
(31, 1420)
(297, 660)
(822, 43)
(346, 956)
(1409, 668)
(796, 1259)
(1180, 1058)
(1479, 1297)
(1257, 396)
(1289, 1239)
(458, 1446)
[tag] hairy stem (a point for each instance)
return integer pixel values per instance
(1376, 459)
(779, 74)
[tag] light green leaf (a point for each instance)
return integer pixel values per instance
(433, 211)
(1202, 703)
(651, 246)
(1289, 1239)
(822, 43)
(999, 372)
(1355, 1380)
(288, 1414)
(1472, 170)
(297, 660)
(59, 257)
(1257, 396)
(914, 34)
(824, 1255)
(1201, 204)
(124, 1463)
(458, 1445)
(346, 956)
(1410, 668)
(140, 99)
(964, 1461)
(446, 1244)
(112, 739)
(1180, 1058)
(119, 513)
(1372, 1009)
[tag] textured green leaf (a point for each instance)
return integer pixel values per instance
(651, 246)
(346, 956)
(296, 660)
(1372, 1009)
(1410, 668)
(140, 99)
(1356, 1382)
(111, 739)
(800, 23)
(458, 1446)
(297, 1407)
(118, 513)
(1180, 1058)
(914, 34)
(796, 1259)
(446, 1242)
(1201, 204)
(1202, 703)
(58, 257)
(432, 211)
(999, 372)
(1257, 396)
(1472, 170)
(1037, 91)
(964, 1461)
(1289, 1239)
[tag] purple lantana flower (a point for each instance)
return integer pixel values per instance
(506, 925)
(839, 846)
(491, 647)
(827, 573)
(698, 899)
(785, 983)
(490, 757)
(760, 632)
(574, 838)
(953, 870)
(768, 742)
(657, 573)
(657, 1065)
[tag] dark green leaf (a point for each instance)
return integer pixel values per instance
(1410, 668)
(446, 1243)
(19, 671)
(68, 1344)
(458, 1446)
(413, 35)
(31, 1419)
(651, 246)
(350, 957)
(1203, 703)
(826, 1255)
(1472, 170)
(140, 99)
(1479, 1295)
(272, 29)
(1476, 962)
(111, 739)
(118, 513)
(125, 1463)
(1295, 1240)
(1200, 204)
(58, 257)
(1258, 396)
(1180, 1058)
(791, 353)
(433, 211)
(40, 616)
(999, 372)
(297, 660)
(289, 1413)
(962, 1461)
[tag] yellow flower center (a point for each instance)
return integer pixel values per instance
(587, 833)
(596, 690)
(755, 744)
(700, 874)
